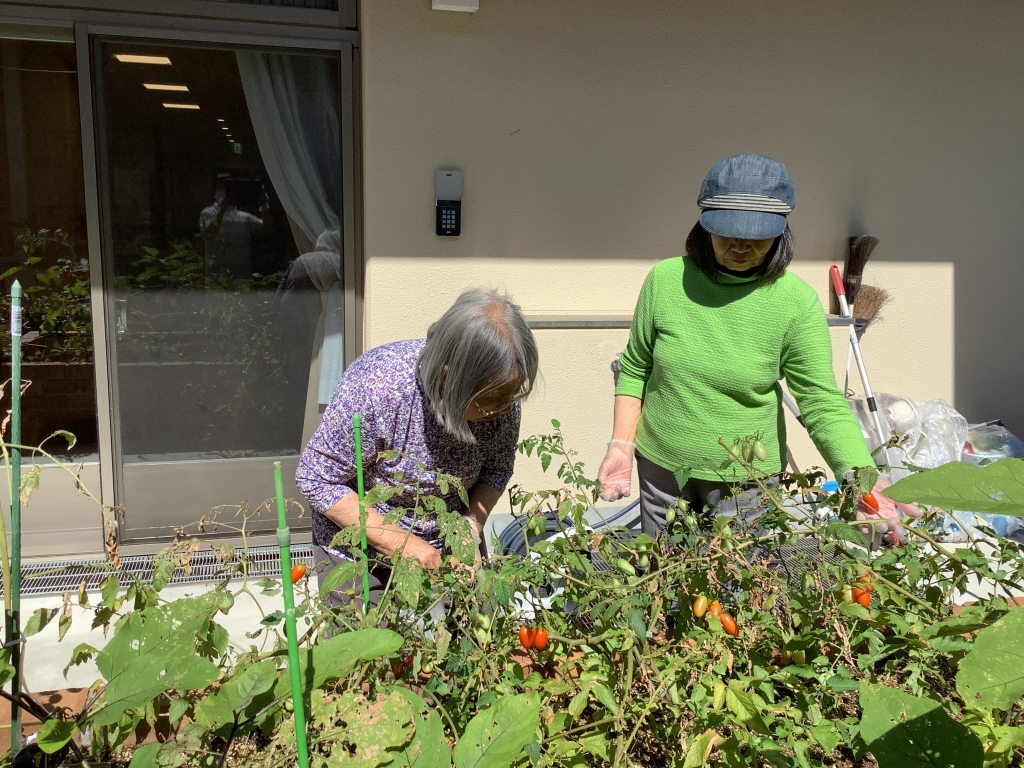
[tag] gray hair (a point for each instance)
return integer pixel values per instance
(483, 337)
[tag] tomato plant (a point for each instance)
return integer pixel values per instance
(629, 671)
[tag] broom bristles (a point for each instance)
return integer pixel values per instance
(870, 301)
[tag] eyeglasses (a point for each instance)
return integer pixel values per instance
(503, 408)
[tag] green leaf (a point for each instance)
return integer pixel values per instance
(272, 619)
(741, 704)
(958, 625)
(903, 730)
(342, 573)
(54, 734)
(109, 588)
(992, 674)
(826, 735)
(497, 736)
(145, 756)
(604, 695)
(336, 656)
(428, 748)
(840, 531)
(700, 749)
(38, 620)
(997, 488)
(636, 622)
(682, 477)
(153, 651)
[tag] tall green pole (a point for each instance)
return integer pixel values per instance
(284, 541)
(357, 429)
(14, 617)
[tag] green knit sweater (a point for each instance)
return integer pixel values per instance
(706, 359)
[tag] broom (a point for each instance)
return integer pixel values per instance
(857, 257)
(870, 301)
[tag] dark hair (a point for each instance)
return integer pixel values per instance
(701, 252)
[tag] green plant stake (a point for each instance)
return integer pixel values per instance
(358, 436)
(284, 541)
(14, 615)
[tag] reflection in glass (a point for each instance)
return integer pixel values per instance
(210, 212)
(43, 243)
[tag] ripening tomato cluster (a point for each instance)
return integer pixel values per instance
(535, 638)
(861, 593)
(702, 607)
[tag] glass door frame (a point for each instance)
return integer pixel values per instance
(87, 39)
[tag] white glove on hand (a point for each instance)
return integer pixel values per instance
(616, 470)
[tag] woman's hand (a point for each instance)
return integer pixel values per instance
(888, 510)
(417, 548)
(616, 470)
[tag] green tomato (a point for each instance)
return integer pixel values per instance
(808, 583)
(625, 566)
(691, 522)
(482, 635)
(670, 516)
(787, 657)
(288, 706)
(684, 506)
(645, 561)
(760, 452)
(226, 601)
(748, 453)
(799, 657)
(483, 621)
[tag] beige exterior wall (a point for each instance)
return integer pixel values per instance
(584, 129)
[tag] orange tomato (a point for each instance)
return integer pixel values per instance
(540, 638)
(729, 624)
(715, 609)
(298, 572)
(871, 502)
(700, 607)
(526, 637)
(864, 598)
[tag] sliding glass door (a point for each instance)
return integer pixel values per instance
(221, 203)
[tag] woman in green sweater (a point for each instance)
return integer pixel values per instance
(713, 333)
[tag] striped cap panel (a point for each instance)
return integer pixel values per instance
(737, 201)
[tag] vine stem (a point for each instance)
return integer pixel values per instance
(669, 679)
(621, 718)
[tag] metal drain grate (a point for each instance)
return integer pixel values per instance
(55, 577)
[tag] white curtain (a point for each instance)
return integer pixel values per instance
(293, 105)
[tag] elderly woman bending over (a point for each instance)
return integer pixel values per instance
(448, 403)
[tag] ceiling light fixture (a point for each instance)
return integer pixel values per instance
(172, 105)
(165, 87)
(131, 58)
(220, 119)
(224, 128)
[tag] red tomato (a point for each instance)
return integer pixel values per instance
(871, 502)
(298, 572)
(526, 637)
(715, 609)
(864, 598)
(729, 624)
(540, 638)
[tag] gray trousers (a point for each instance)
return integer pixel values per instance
(708, 499)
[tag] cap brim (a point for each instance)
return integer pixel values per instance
(746, 225)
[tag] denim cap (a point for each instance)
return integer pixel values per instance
(746, 196)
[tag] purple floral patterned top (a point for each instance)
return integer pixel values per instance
(381, 385)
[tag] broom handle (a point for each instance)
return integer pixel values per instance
(837, 282)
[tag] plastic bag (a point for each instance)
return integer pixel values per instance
(991, 441)
(994, 442)
(935, 431)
